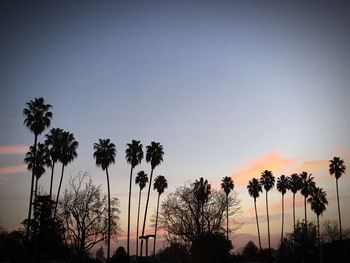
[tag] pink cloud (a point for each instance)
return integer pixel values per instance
(14, 149)
(13, 169)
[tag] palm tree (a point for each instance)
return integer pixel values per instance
(337, 167)
(141, 179)
(202, 190)
(37, 118)
(294, 185)
(104, 154)
(318, 202)
(41, 159)
(308, 186)
(134, 155)
(54, 144)
(267, 180)
(160, 183)
(67, 155)
(154, 155)
(282, 186)
(254, 189)
(227, 185)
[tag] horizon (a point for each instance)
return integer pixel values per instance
(228, 89)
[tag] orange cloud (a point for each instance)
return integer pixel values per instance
(13, 149)
(272, 161)
(13, 169)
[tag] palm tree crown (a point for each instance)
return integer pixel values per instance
(134, 153)
(42, 159)
(282, 184)
(69, 148)
(318, 200)
(308, 184)
(54, 143)
(254, 188)
(267, 180)
(160, 184)
(104, 154)
(141, 179)
(295, 183)
(154, 154)
(337, 167)
(227, 184)
(37, 115)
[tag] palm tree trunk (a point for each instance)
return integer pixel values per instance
(340, 229)
(53, 168)
(128, 239)
(318, 232)
(35, 195)
(257, 223)
(227, 216)
(58, 192)
(282, 217)
(137, 227)
(268, 221)
(109, 219)
(155, 228)
(31, 190)
(305, 213)
(144, 218)
(294, 211)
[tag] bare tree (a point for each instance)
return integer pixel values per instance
(182, 214)
(84, 212)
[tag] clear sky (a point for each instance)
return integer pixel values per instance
(228, 88)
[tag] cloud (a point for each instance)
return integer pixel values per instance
(13, 169)
(272, 161)
(13, 149)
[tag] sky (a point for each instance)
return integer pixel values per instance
(229, 88)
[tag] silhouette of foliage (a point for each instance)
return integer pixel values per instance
(174, 253)
(250, 251)
(120, 256)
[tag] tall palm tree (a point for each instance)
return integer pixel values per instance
(134, 156)
(41, 159)
(318, 202)
(337, 167)
(67, 155)
(254, 188)
(202, 190)
(141, 179)
(267, 180)
(282, 186)
(37, 118)
(308, 186)
(104, 154)
(154, 155)
(294, 185)
(227, 185)
(160, 183)
(54, 144)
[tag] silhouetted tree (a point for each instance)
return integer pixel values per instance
(202, 191)
(160, 184)
(267, 180)
(254, 189)
(88, 216)
(294, 185)
(318, 202)
(308, 185)
(37, 118)
(181, 219)
(141, 179)
(174, 253)
(154, 156)
(53, 143)
(250, 251)
(134, 156)
(120, 256)
(337, 167)
(227, 185)
(282, 186)
(67, 155)
(104, 154)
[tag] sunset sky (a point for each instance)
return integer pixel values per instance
(228, 88)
